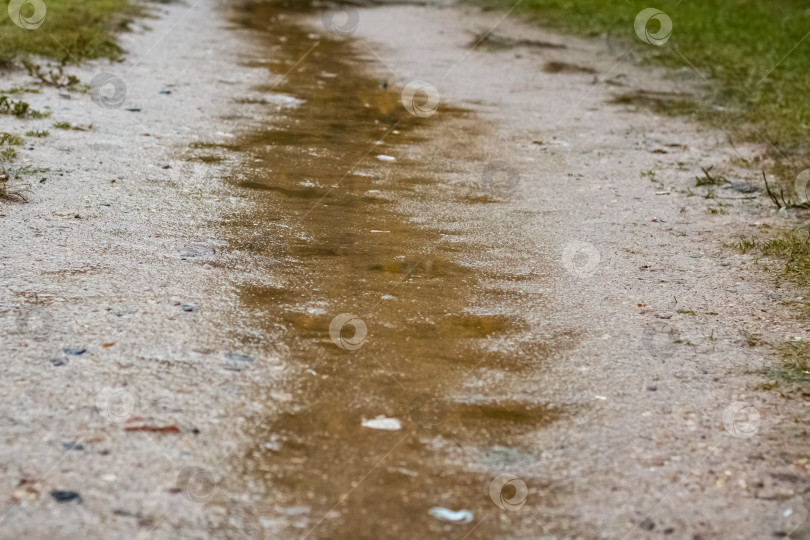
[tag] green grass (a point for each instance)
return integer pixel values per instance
(20, 90)
(792, 247)
(10, 189)
(73, 30)
(20, 109)
(55, 77)
(796, 355)
(758, 87)
(795, 368)
(11, 139)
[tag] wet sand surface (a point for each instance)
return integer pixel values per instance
(474, 298)
(328, 211)
(334, 318)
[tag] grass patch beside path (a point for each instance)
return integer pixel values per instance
(755, 53)
(67, 31)
(792, 249)
(796, 359)
(755, 58)
(72, 30)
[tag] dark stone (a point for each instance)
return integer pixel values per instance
(72, 446)
(75, 352)
(59, 362)
(238, 357)
(743, 187)
(66, 496)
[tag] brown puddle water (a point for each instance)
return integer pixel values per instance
(324, 213)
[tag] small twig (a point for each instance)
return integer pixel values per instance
(785, 202)
(770, 193)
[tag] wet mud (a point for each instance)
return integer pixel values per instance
(422, 340)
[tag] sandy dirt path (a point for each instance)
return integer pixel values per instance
(545, 295)
(117, 253)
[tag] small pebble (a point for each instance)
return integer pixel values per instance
(445, 514)
(744, 187)
(75, 352)
(65, 496)
(59, 362)
(383, 423)
(238, 357)
(72, 446)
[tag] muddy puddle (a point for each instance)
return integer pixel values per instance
(374, 313)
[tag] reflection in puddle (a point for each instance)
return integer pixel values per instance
(323, 213)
